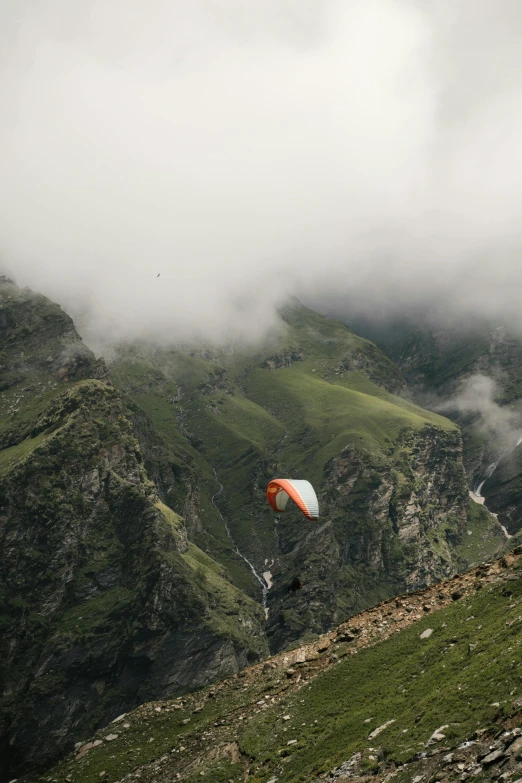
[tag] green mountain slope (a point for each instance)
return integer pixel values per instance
(427, 682)
(315, 402)
(103, 600)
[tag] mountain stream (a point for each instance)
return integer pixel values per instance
(478, 498)
(266, 579)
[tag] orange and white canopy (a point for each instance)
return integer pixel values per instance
(301, 492)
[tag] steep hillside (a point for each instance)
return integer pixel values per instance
(315, 402)
(103, 600)
(423, 687)
(437, 360)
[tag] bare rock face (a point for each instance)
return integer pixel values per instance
(376, 366)
(390, 527)
(283, 359)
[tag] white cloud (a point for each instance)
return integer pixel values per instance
(364, 151)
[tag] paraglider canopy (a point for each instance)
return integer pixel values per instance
(301, 492)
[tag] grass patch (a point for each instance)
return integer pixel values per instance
(229, 608)
(173, 520)
(95, 614)
(14, 454)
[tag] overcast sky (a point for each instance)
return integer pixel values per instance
(352, 152)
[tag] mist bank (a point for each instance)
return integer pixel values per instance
(344, 153)
(477, 396)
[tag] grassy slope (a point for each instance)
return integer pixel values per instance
(435, 679)
(12, 455)
(334, 415)
(224, 601)
(418, 684)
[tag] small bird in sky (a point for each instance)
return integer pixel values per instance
(158, 275)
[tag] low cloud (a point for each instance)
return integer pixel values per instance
(360, 155)
(477, 396)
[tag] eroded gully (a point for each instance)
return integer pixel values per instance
(479, 498)
(266, 579)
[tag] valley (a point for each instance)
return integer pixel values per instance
(316, 402)
(141, 559)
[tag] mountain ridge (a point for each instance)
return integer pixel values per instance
(98, 583)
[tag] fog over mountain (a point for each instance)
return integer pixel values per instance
(499, 424)
(354, 154)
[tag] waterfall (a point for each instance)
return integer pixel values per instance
(266, 580)
(478, 498)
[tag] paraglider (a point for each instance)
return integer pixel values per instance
(302, 493)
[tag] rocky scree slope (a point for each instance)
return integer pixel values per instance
(104, 603)
(317, 402)
(426, 686)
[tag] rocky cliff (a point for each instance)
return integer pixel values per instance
(390, 527)
(104, 601)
